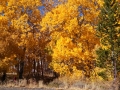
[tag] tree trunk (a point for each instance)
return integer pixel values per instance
(38, 66)
(115, 70)
(34, 66)
(21, 67)
(3, 77)
(42, 68)
(114, 66)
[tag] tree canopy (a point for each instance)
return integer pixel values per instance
(59, 36)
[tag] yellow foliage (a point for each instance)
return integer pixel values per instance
(73, 37)
(15, 23)
(68, 29)
(95, 74)
(101, 2)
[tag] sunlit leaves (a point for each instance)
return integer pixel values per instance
(72, 35)
(18, 21)
(66, 31)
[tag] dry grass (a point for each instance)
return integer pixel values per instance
(83, 85)
(60, 84)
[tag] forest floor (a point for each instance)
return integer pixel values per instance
(58, 85)
(19, 88)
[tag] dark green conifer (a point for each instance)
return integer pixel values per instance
(109, 33)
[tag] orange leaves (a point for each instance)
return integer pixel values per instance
(19, 21)
(35, 16)
(72, 25)
(11, 3)
(3, 2)
(59, 15)
(3, 20)
(76, 2)
(60, 68)
(7, 62)
(73, 35)
(100, 2)
(29, 3)
(1, 8)
(63, 50)
(67, 30)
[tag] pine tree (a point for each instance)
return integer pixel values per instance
(109, 33)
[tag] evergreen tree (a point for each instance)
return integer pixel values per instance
(109, 33)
